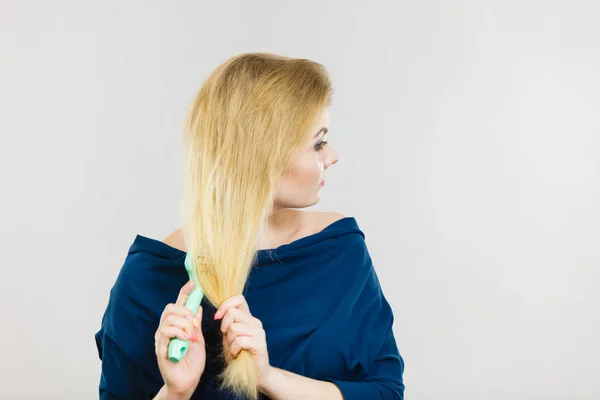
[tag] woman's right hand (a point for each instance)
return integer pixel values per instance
(181, 378)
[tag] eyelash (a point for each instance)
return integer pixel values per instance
(320, 146)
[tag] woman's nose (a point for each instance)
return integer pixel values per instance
(333, 158)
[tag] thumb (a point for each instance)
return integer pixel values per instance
(198, 326)
(196, 354)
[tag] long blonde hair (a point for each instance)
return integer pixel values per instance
(249, 119)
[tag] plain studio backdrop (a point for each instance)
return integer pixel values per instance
(469, 142)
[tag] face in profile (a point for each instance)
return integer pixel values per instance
(300, 185)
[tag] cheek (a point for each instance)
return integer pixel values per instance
(307, 173)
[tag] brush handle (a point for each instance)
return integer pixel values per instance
(178, 347)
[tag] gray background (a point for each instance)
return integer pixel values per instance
(469, 142)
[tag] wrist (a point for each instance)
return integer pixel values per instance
(169, 394)
(269, 380)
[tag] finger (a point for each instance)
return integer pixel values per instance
(184, 292)
(237, 329)
(235, 315)
(244, 343)
(197, 324)
(163, 339)
(198, 317)
(181, 323)
(238, 301)
(235, 349)
(175, 309)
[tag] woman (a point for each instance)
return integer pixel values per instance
(293, 308)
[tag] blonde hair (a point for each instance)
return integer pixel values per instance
(250, 118)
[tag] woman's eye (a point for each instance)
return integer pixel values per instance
(320, 146)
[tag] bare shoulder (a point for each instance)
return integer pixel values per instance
(175, 239)
(322, 219)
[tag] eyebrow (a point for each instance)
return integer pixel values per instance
(323, 129)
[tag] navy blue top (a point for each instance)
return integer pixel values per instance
(319, 299)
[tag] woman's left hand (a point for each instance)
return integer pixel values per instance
(243, 331)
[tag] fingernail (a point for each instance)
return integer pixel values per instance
(195, 337)
(217, 315)
(196, 323)
(187, 335)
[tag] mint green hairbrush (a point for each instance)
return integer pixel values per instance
(178, 347)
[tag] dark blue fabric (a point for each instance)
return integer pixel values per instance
(319, 299)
